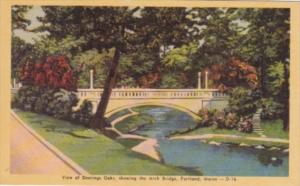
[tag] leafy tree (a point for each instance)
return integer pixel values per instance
(92, 60)
(121, 29)
(19, 21)
(68, 46)
(267, 42)
(234, 73)
(139, 69)
(20, 49)
(180, 66)
(20, 54)
(216, 41)
(220, 35)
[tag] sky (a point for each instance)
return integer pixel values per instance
(32, 14)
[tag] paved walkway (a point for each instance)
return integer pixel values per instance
(148, 148)
(30, 156)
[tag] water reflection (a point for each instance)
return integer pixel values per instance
(211, 160)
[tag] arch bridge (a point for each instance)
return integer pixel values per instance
(188, 100)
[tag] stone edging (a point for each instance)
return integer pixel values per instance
(70, 163)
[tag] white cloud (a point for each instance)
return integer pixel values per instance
(32, 15)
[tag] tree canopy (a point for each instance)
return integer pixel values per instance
(165, 47)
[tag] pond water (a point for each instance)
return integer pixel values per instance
(211, 160)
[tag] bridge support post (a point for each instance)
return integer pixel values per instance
(91, 79)
(199, 80)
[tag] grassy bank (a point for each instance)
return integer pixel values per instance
(134, 122)
(273, 129)
(94, 152)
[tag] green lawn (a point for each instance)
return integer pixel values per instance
(274, 129)
(271, 129)
(94, 152)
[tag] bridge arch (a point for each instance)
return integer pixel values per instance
(174, 106)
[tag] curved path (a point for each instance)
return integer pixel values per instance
(29, 155)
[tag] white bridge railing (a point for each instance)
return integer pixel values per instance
(138, 93)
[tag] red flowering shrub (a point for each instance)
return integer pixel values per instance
(53, 72)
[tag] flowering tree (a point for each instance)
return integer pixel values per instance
(53, 72)
(232, 74)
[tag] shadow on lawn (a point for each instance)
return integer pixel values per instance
(75, 131)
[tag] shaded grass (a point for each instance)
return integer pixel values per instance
(134, 122)
(94, 152)
(118, 114)
(274, 129)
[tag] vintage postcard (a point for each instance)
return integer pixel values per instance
(150, 92)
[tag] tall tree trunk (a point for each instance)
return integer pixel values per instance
(98, 122)
(263, 78)
(285, 97)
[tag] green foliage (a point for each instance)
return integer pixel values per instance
(166, 47)
(57, 103)
(68, 46)
(207, 117)
(243, 101)
(275, 77)
(170, 80)
(136, 66)
(94, 60)
(41, 104)
(227, 120)
(61, 104)
(26, 97)
(84, 114)
(20, 54)
(180, 59)
(271, 110)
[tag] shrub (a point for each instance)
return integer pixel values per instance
(41, 105)
(53, 102)
(229, 121)
(222, 119)
(243, 101)
(60, 106)
(26, 97)
(84, 114)
(245, 125)
(207, 117)
(271, 110)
